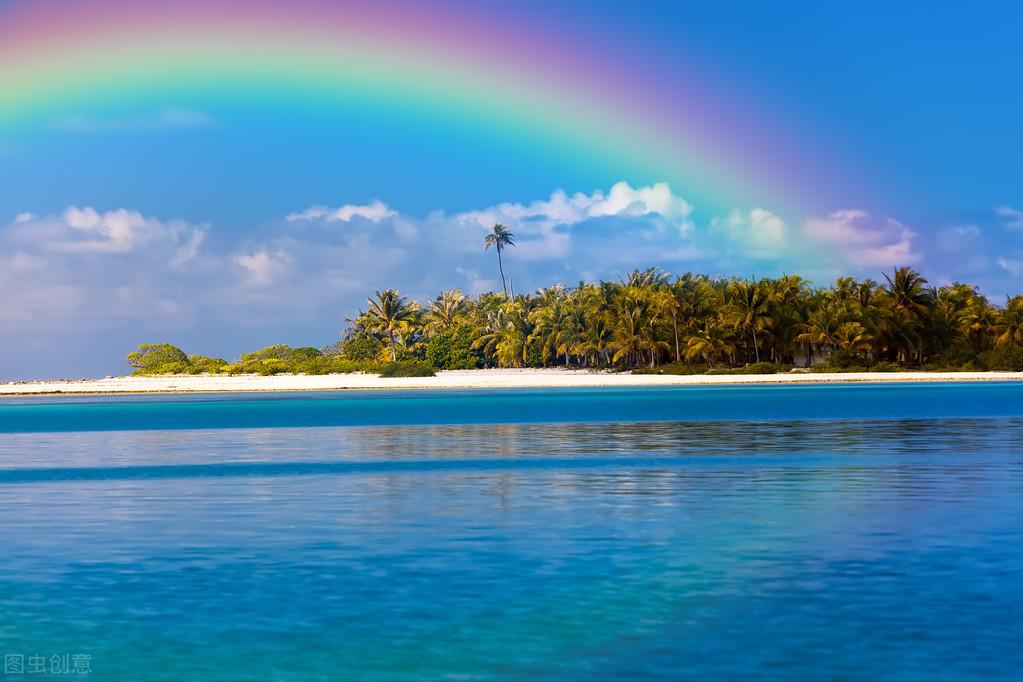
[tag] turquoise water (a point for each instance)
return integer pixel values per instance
(768, 532)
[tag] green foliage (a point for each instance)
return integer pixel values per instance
(885, 366)
(955, 360)
(406, 369)
(754, 368)
(762, 368)
(847, 359)
(452, 349)
(651, 323)
(158, 358)
(1005, 358)
(279, 359)
(199, 364)
(360, 349)
(673, 368)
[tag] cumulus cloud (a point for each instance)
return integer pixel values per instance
(374, 212)
(125, 275)
(863, 241)
(764, 233)
(562, 209)
(544, 224)
(262, 267)
(1012, 218)
(86, 230)
(80, 287)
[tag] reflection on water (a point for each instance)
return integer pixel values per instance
(489, 442)
(827, 549)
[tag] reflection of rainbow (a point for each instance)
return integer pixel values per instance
(489, 75)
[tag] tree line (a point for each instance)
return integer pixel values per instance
(651, 321)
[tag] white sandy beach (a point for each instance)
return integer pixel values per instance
(488, 378)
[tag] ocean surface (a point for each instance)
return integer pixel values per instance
(812, 532)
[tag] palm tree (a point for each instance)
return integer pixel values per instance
(822, 330)
(667, 305)
(979, 319)
(651, 277)
(1010, 323)
(391, 315)
(709, 343)
(789, 299)
(633, 326)
(445, 310)
(645, 318)
(750, 309)
(909, 293)
(910, 300)
(499, 237)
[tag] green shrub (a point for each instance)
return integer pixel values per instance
(755, 368)
(673, 368)
(200, 364)
(846, 369)
(280, 359)
(885, 366)
(957, 360)
(452, 349)
(1005, 358)
(407, 369)
(849, 360)
(362, 349)
(158, 358)
(761, 368)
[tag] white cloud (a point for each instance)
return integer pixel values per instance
(862, 241)
(543, 226)
(561, 209)
(1012, 218)
(262, 267)
(83, 269)
(188, 250)
(760, 230)
(123, 274)
(374, 212)
(1012, 266)
(121, 231)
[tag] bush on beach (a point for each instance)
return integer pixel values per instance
(1004, 358)
(408, 368)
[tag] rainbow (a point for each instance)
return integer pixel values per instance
(504, 78)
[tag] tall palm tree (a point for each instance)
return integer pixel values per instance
(391, 315)
(910, 300)
(750, 309)
(978, 319)
(499, 237)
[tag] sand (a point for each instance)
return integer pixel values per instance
(488, 378)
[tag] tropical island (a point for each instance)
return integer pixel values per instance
(651, 323)
(688, 324)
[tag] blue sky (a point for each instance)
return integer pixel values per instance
(169, 221)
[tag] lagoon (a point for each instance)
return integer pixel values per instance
(770, 532)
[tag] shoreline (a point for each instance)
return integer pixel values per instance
(464, 380)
